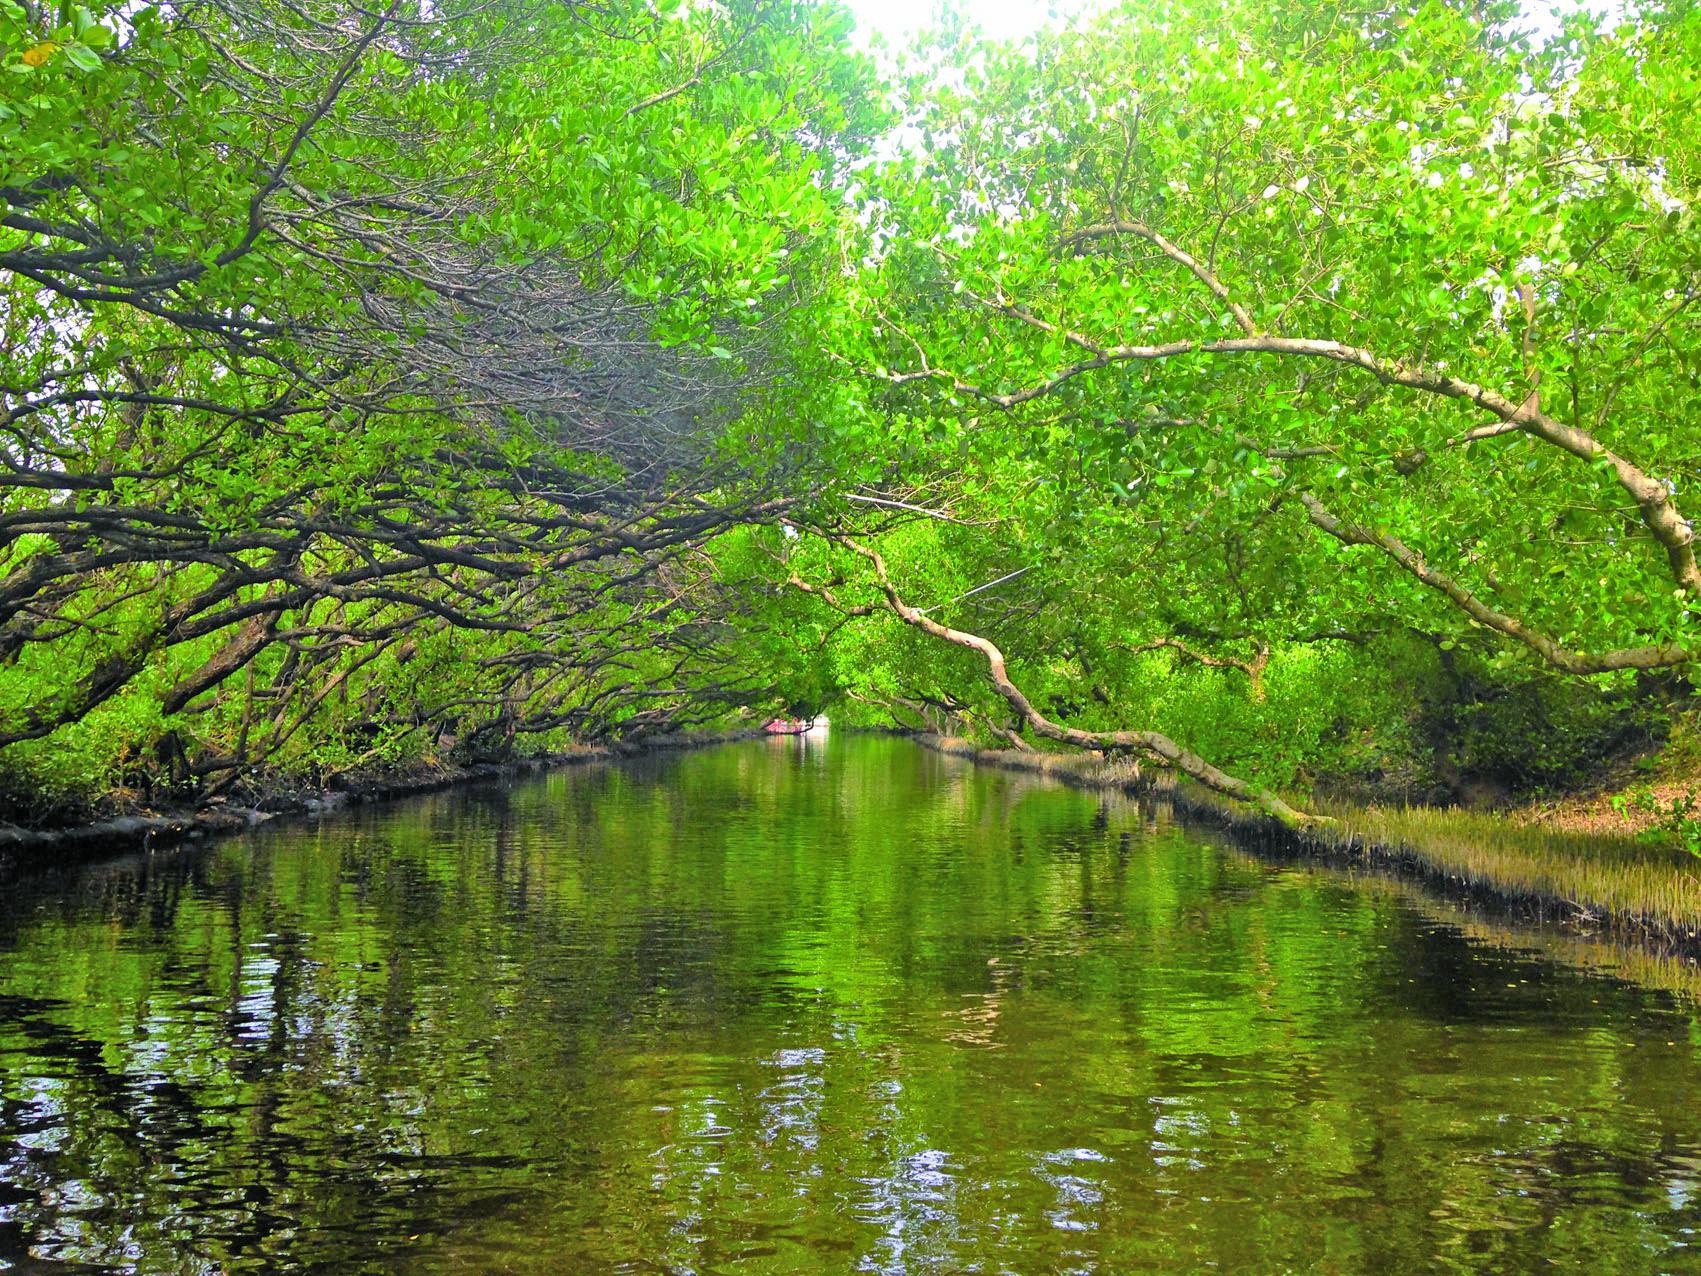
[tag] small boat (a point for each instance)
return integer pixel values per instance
(788, 726)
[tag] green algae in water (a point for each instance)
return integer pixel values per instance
(791, 1007)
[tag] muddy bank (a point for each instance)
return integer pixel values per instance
(1635, 895)
(21, 847)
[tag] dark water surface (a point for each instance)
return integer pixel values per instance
(800, 1008)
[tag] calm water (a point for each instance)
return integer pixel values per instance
(774, 1008)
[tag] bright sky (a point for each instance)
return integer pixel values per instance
(897, 20)
(1002, 19)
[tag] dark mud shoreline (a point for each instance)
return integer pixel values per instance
(23, 848)
(1339, 847)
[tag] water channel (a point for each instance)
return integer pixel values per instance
(806, 1006)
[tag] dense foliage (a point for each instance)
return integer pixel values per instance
(1327, 374)
(365, 372)
(1300, 390)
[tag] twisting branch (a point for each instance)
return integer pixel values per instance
(691, 81)
(1661, 656)
(1153, 744)
(1196, 268)
(1253, 668)
(888, 503)
(1657, 509)
(1652, 496)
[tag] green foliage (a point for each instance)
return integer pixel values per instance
(368, 378)
(1246, 373)
(1356, 339)
(1676, 820)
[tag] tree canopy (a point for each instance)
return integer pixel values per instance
(1271, 393)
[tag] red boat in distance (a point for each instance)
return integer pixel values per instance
(789, 726)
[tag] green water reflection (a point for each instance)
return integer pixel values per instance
(788, 1008)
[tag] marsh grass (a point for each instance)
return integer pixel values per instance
(1599, 875)
(1588, 880)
